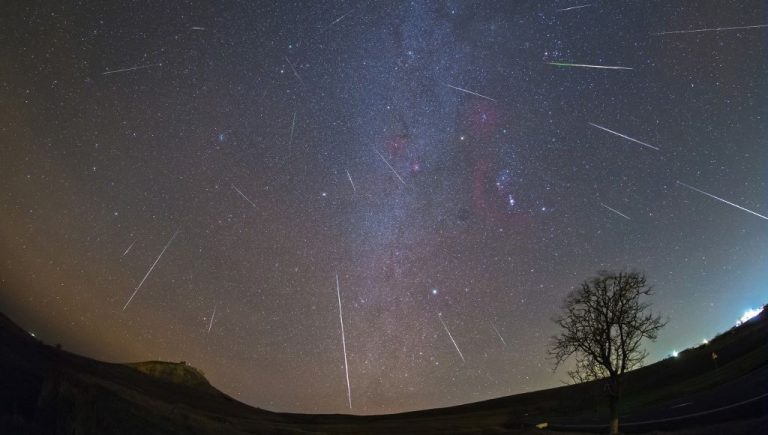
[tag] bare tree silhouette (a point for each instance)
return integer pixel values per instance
(603, 325)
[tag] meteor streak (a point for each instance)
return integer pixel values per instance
(499, 334)
(616, 211)
(581, 65)
(621, 135)
(133, 68)
(722, 200)
(293, 127)
(440, 316)
(343, 342)
(129, 248)
(296, 73)
(390, 167)
(150, 269)
(243, 195)
(340, 18)
(711, 29)
(573, 7)
(469, 92)
(350, 181)
(212, 316)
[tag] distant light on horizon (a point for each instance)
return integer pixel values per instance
(674, 354)
(749, 314)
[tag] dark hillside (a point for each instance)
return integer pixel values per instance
(44, 389)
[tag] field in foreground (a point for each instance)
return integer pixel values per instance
(44, 390)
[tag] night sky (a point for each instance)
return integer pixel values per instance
(235, 157)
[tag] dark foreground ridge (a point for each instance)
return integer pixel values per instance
(45, 390)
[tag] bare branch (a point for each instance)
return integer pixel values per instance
(603, 324)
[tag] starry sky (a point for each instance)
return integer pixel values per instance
(230, 159)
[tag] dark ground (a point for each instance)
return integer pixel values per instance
(45, 390)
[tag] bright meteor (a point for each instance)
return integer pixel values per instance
(616, 211)
(581, 65)
(440, 316)
(133, 68)
(354, 189)
(390, 167)
(573, 8)
(504, 342)
(722, 200)
(469, 92)
(711, 29)
(150, 269)
(210, 325)
(243, 195)
(624, 136)
(129, 248)
(343, 342)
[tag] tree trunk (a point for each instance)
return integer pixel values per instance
(614, 393)
(613, 405)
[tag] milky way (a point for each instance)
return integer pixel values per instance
(462, 165)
